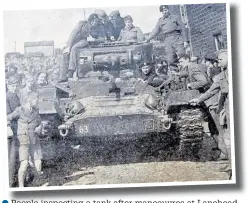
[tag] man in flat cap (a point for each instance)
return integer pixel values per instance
(108, 26)
(174, 33)
(84, 32)
(130, 33)
(118, 23)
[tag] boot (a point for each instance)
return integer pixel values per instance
(70, 74)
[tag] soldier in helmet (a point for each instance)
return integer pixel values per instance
(130, 33)
(174, 33)
(220, 87)
(118, 23)
(83, 33)
(108, 26)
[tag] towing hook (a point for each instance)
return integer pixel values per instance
(64, 130)
(166, 122)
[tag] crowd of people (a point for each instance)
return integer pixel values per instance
(25, 77)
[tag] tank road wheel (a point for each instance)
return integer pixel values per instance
(191, 133)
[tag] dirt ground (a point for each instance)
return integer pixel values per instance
(99, 162)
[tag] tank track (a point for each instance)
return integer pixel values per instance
(191, 132)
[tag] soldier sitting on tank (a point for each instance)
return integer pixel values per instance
(83, 34)
(148, 75)
(130, 33)
(108, 26)
(28, 132)
(118, 23)
(195, 74)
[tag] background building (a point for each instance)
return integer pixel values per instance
(45, 48)
(206, 24)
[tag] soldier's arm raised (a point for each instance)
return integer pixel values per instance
(155, 31)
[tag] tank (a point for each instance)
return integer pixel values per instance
(104, 111)
(111, 102)
(52, 100)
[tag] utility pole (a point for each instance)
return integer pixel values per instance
(84, 13)
(15, 46)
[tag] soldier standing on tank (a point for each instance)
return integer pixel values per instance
(12, 102)
(174, 33)
(196, 74)
(118, 23)
(108, 26)
(221, 86)
(130, 33)
(82, 34)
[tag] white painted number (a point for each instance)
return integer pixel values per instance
(83, 129)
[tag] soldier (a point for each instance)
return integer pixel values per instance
(12, 102)
(108, 26)
(174, 32)
(117, 21)
(220, 86)
(80, 37)
(148, 75)
(195, 73)
(27, 134)
(130, 33)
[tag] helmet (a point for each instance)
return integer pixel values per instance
(73, 108)
(162, 7)
(92, 17)
(114, 14)
(101, 14)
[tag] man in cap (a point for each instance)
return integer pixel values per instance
(130, 33)
(174, 32)
(118, 23)
(83, 33)
(108, 26)
(221, 87)
(195, 73)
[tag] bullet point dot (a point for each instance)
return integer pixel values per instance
(5, 201)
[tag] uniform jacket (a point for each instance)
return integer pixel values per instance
(219, 86)
(82, 31)
(12, 102)
(134, 34)
(197, 76)
(108, 29)
(118, 24)
(167, 25)
(27, 123)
